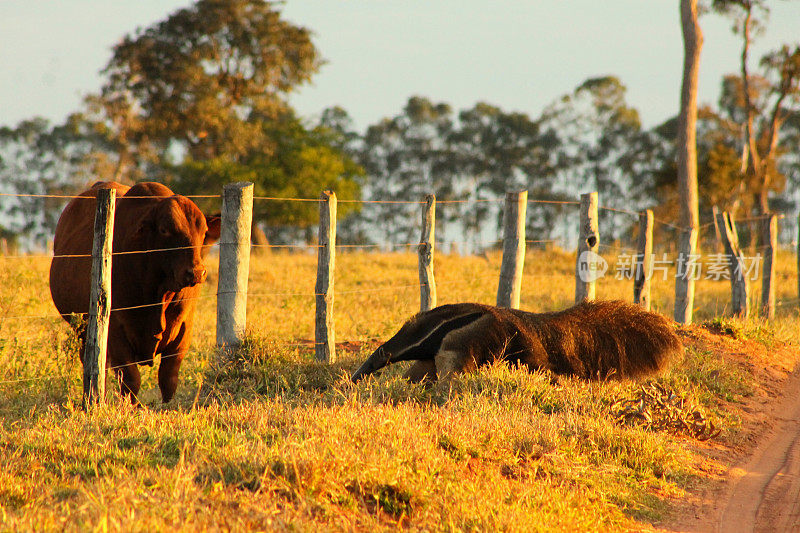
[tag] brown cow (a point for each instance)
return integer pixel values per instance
(148, 216)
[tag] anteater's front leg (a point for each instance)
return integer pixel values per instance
(421, 371)
(418, 340)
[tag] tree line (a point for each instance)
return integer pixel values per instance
(201, 99)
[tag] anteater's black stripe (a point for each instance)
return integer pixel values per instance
(427, 347)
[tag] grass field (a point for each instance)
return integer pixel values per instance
(274, 440)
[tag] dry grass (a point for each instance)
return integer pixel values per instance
(274, 440)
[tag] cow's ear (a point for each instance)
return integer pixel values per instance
(214, 223)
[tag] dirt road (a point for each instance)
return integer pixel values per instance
(750, 482)
(764, 492)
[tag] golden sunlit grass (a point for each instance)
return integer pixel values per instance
(274, 440)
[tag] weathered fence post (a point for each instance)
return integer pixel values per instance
(234, 264)
(739, 285)
(94, 357)
(588, 261)
(714, 214)
(427, 283)
(770, 232)
(684, 277)
(510, 285)
(644, 260)
(798, 259)
(325, 347)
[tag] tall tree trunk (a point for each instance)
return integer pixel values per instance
(754, 166)
(687, 161)
(751, 137)
(122, 166)
(770, 153)
(763, 194)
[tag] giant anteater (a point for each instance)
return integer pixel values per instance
(592, 340)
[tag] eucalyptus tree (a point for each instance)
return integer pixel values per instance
(200, 99)
(594, 141)
(406, 157)
(496, 152)
(760, 103)
(686, 145)
(39, 162)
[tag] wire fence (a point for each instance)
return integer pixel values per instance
(367, 246)
(616, 210)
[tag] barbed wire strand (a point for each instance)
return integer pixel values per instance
(483, 244)
(257, 295)
(472, 201)
(306, 344)
(120, 197)
(617, 248)
(760, 217)
(618, 210)
(411, 202)
(555, 202)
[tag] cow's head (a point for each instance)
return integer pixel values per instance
(182, 234)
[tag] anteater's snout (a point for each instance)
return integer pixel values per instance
(374, 362)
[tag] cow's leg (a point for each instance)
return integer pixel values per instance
(130, 381)
(168, 374)
(122, 361)
(171, 358)
(78, 325)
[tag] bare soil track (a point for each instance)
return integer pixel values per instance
(754, 484)
(764, 492)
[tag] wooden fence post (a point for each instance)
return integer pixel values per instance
(739, 285)
(325, 348)
(717, 234)
(798, 259)
(427, 283)
(644, 260)
(684, 278)
(94, 357)
(234, 264)
(510, 285)
(770, 232)
(586, 264)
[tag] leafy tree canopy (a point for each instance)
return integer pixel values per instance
(201, 99)
(304, 162)
(206, 78)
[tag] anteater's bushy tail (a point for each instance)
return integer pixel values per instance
(606, 339)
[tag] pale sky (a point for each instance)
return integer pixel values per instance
(519, 55)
